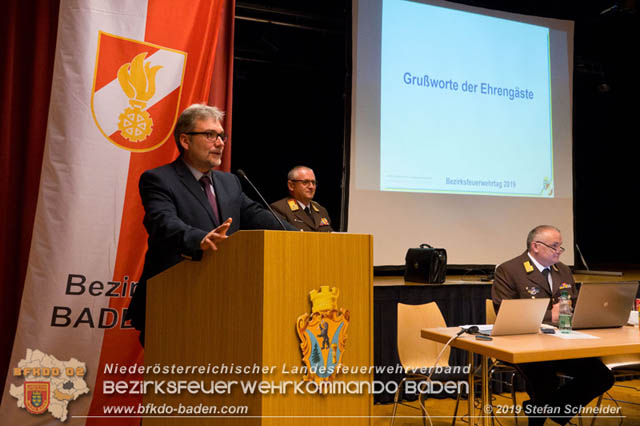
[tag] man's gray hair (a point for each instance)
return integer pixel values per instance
(188, 117)
(292, 173)
(533, 234)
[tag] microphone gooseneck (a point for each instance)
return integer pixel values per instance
(243, 175)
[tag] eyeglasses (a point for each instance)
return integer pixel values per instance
(210, 135)
(557, 249)
(305, 182)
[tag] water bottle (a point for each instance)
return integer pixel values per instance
(564, 319)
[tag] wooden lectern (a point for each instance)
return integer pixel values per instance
(232, 318)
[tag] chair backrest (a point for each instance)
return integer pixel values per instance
(490, 316)
(622, 362)
(413, 350)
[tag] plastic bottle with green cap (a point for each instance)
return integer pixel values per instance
(564, 319)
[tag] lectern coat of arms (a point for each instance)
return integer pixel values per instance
(323, 335)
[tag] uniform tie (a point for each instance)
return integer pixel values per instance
(546, 272)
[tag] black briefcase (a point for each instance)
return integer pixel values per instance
(426, 265)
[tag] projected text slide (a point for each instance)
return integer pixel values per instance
(465, 103)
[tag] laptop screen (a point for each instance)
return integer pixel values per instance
(604, 304)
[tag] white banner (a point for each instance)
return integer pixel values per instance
(123, 71)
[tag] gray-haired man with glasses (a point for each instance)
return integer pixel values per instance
(190, 207)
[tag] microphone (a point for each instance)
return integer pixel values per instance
(584, 262)
(471, 330)
(242, 174)
(589, 271)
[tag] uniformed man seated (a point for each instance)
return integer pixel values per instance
(299, 209)
(538, 273)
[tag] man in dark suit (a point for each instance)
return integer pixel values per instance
(299, 209)
(538, 273)
(189, 207)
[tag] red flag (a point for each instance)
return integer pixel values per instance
(123, 72)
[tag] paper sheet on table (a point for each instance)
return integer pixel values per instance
(574, 335)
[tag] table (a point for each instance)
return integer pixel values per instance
(533, 348)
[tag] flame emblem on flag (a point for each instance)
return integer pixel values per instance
(137, 80)
(136, 91)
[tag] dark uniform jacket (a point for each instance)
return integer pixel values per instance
(317, 220)
(519, 278)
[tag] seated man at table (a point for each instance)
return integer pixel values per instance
(538, 272)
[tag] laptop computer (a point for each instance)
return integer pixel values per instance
(519, 316)
(604, 305)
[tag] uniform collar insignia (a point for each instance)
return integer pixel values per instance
(527, 266)
(293, 204)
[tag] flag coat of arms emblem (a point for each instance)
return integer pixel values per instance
(36, 397)
(136, 88)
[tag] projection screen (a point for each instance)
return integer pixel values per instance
(461, 129)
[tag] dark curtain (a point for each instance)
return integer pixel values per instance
(27, 47)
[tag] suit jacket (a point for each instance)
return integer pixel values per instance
(291, 211)
(178, 216)
(519, 278)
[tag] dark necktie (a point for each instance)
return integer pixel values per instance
(546, 273)
(307, 210)
(205, 181)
